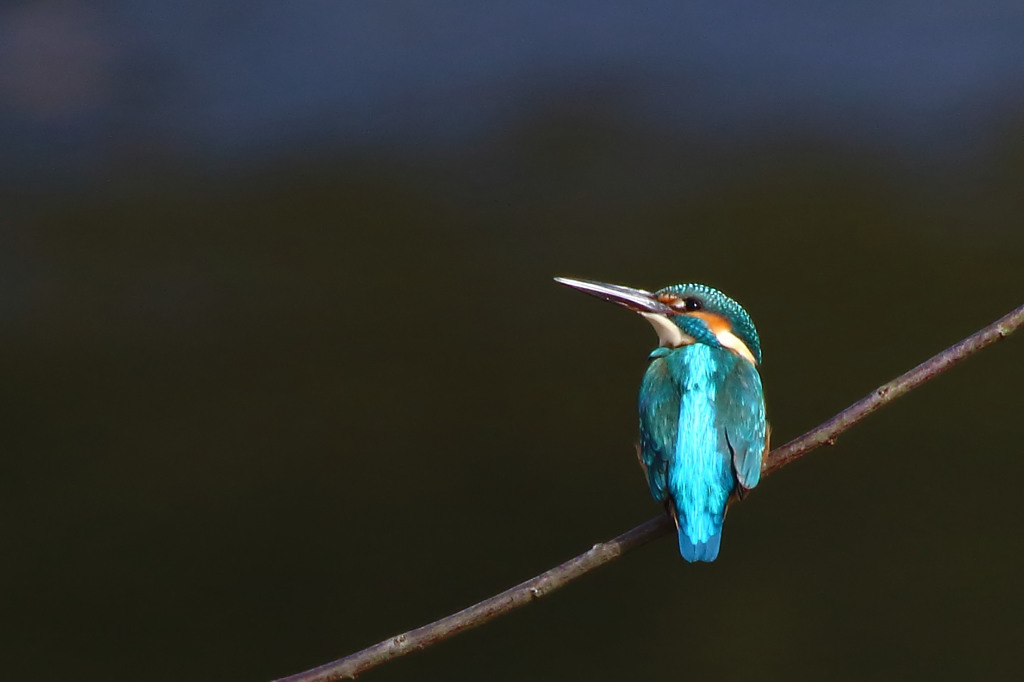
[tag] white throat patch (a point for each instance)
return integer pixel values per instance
(669, 335)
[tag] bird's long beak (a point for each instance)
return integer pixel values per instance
(636, 300)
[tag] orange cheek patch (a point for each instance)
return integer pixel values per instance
(716, 323)
(722, 330)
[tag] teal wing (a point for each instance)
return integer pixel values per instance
(659, 423)
(740, 404)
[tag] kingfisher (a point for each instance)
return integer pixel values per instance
(703, 432)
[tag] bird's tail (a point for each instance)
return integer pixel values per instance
(703, 550)
(699, 551)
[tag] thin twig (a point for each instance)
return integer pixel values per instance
(602, 553)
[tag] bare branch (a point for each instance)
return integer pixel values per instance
(600, 554)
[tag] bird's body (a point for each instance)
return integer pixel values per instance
(702, 419)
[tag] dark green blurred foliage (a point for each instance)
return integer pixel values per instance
(253, 424)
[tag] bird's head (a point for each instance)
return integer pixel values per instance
(683, 314)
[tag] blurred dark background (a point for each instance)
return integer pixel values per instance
(284, 371)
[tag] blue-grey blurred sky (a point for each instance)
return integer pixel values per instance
(83, 83)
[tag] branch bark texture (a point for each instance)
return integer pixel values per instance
(600, 554)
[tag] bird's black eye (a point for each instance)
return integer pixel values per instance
(687, 305)
(691, 304)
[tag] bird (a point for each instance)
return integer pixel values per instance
(703, 429)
